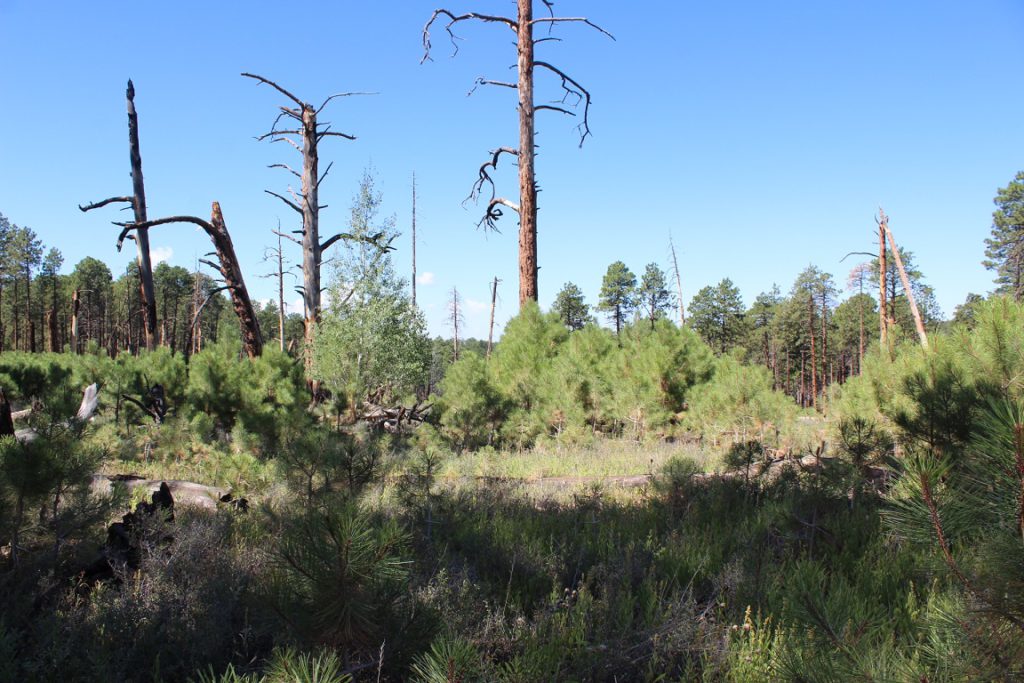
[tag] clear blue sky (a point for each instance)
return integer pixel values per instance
(762, 136)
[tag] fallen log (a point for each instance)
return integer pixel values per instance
(90, 400)
(185, 492)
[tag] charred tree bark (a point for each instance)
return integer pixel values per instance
(527, 150)
(306, 203)
(138, 203)
(228, 268)
(523, 26)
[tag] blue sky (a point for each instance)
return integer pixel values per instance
(761, 136)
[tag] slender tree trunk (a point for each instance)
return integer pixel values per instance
(146, 291)
(814, 360)
(75, 305)
(527, 182)
(310, 231)
(882, 272)
(679, 282)
(15, 310)
(918, 323)
(494, 301)
(824, 340)
(280, 291)
(414, 248)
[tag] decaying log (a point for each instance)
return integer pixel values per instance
(392, 419)
(185, 492)
(90, 400)
(228, 268)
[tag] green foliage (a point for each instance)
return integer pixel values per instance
(618, 296)
(372, 339)
(570, 307)
(450, 660)
(1004, 250)
(717, 315)
(652, 296)
(470, 405)
(341, 576)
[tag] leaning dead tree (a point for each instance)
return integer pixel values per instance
(883, 226)
(228, 267)
(306, 202)
(137, 200)
(574, 97)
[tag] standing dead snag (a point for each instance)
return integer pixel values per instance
(138, 203)
(573, 95)
(883, 226)
(306, 202)
(228, 268)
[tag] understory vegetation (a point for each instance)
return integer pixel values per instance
(745, 540)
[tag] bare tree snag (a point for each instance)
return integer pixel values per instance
(918, 323)
(75, 305)
(573, 96)
(455, 317)
(138, 203)
(277, 254)
(882, 272)
(306, 203)
(494, 301)
(679, 281)
(414, 240)
(228, 268)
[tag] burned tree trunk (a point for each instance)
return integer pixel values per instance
(527, 150)
(523, 26)
(138, 202)
(306, 203)
(228, 268)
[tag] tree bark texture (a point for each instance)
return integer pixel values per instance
(146, 290)
(527, 180)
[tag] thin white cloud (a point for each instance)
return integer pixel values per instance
(425, 278)
(475, 306)
(160, 254)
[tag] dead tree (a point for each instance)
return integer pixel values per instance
(455, 317)
(883, 321)
(276, 254)
(306, 202)
(679, 281)
(494, 302)
(414, 240)
(883, 225)
(228, 268)
(574, 95)
(138, 204)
